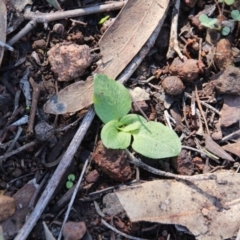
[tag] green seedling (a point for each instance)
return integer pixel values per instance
(235, 14)
(112, 103)
(228, 2)
(104, 19)
(208, 22)
(69, 183)
(225, 30)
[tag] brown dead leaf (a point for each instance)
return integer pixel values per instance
(208, 208)
(3, 27)
(130, 31)
(76, 96)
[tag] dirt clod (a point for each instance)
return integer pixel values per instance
(39, 44)
(43, 131)
(112, 162)
(183, 163)
(223, 56)
(92, 176)
(69, 60)
(187, 70)
(74, 230)
(173, 85)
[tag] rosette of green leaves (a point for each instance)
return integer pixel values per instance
(112, 103)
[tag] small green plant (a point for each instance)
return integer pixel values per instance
(208, 22)
(112, 102)
(69, 183)
(235, 14)
(228, 2)
(104, 19)
(225, 30)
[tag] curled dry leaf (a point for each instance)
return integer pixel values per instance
(73, 98)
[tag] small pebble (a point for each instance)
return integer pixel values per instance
(74, 230)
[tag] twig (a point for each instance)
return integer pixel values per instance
(120, 233)
(73, 197)
(23, 32)
(158, 172)
(20, 149)
(173, 42)
(230, 136)
(35, 95)
(19, 131)
(204, 104)
(201, 110)
(49, 17)
(38, 17)
(4, 45)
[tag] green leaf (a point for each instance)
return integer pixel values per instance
(69, 184)
(104, 19)
(111, 99)
(235, 14)
(207, 22)
(203, 18)
(71, 177)
(226, 30)
(131, 118)
(131, 127)
(132, 122)
(113, 138)
(154, 140)
(229, 2)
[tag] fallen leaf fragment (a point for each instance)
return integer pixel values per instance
(7, 207)
(208, 208)
(73, 98)
(129, 32)
(22, 199)
(230, 113)
(233, 148)
(214, 148)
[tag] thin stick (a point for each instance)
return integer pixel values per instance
(49, 17)
(73, 197)
(20, 149)
(158, 172)
(173, 42)
(38, 17)
(204, 104)
(201, 110)
(120, 233)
